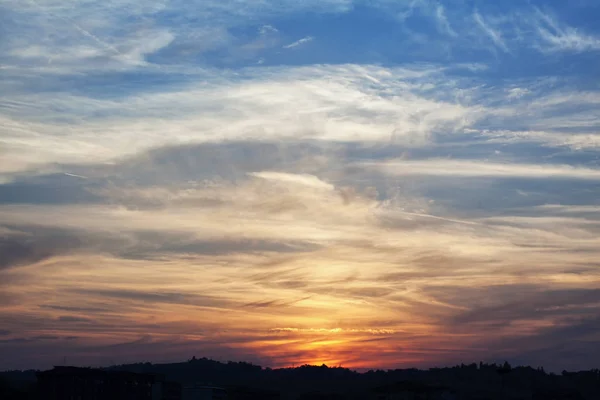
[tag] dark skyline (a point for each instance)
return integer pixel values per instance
(201, 377)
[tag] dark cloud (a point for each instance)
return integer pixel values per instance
(274, 303)
(49, 189)
(159, 297)
(176, 167)
(30, 244)
(166, 167)
(77, 309)
(118, 322)
(430, 270)
(538, 304)
(15, 341)
(485, 197)
(155, 245)
(373, 292)
(228, 161)
(146, 339)
(34, 246)
(70, 318)
(4, 332)
(46, 337)
(481, 296)
(572, 344)
(290, 284)
(277, 277)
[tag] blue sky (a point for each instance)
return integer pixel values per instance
(223, 177)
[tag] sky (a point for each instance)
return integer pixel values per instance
(364, 183)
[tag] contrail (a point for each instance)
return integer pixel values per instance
(75, 175)
(95, 38)
(458, 221)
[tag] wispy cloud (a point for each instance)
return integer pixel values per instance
(442, 20)
(517, 93)
(303, 179)
(494, 35)
(299, 42)
(267, 29)
(560, 37)
(468, 168)
(275, 103)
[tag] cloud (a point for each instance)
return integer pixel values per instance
(308, 180)
(23, 249)
(442, 20)
(50, 189)
(76, 309)
(74, 45)
(157, 298)
(299, 42)
(559, 37)
(336, 330)
(78, 39)
(494, 35)
(267, 29)
(535, 304)
(467, 168)
(517, 93)
(31, 245)
(412, 107)
(71, 319)
(336, 103)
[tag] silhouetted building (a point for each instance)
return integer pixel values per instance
(413, 391)
(322, 396)
(244, 393)
(558, 394)
(203, 392)
(73, 383)
(165, 390)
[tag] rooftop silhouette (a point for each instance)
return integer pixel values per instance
(202, 378)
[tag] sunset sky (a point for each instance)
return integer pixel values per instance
(365, 183)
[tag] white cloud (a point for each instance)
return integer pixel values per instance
(550, 113)
(493, 34)
(300, 42)
(69, 47)
(414, 107)
(559, 209)
(517, 93)
(334, 103)
(575, 141)
(468, 168)
(442, 20)
(267, 29)
(302, 179)
(559, 37)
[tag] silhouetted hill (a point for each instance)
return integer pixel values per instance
(474, 381)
